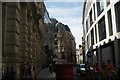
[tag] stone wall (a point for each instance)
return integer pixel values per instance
(23, 35)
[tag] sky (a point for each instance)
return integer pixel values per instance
(68, 13)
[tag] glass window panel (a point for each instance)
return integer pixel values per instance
(87, 42)
(87, 26)
(102, 29)
(117, 10)
(100, 7)
(107, 2)
(94, 12)
(96, 33)
(91, 18)
(110, 23)
(92, 37)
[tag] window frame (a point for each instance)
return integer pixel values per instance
(102, 29)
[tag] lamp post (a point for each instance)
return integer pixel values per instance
(78, 59)
(82, 54)
(80, 47)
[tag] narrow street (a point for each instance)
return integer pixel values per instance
(77, 39)
(46, 75)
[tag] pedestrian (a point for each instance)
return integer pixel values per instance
(26, 73)
(109, 65)
(50, 68)
(104, 72)
(112, 74)
(118, 70)
(96, 70)
(88, 73)
(51, 65)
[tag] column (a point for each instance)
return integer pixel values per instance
(11, 37)
(31, 42)
(99, 55)
(4, 13)
(38, 53)
(34, 46)
(23, 32)
(29, 35)
(116, 52)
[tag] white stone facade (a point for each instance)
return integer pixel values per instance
(102, 31)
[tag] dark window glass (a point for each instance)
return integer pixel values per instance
(87, 42)
(117, 10)
(100, 7)
(94, 12)
(56, 42)
(55, 35)
(82, 66)
(87, 25)
(91, 18)
(102, 29)
(95, 33)
(110, 23)
(108, 2)
(92, 37)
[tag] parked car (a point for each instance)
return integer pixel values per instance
(81, 70)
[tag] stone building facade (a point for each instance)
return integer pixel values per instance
(79, 55)
(102, 31)
(23, 35)
(64, 44)
(49, 37)
(60, 41)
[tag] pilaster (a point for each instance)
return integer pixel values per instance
(116, 52)
(23, 32)
(11, 44)
(30, 33)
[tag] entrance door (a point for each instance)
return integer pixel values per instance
(108, 53)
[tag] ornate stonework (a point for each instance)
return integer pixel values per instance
(23, 26)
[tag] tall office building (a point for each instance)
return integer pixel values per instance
(102, 30)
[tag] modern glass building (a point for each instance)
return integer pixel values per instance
(101, 26)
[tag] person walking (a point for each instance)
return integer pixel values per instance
(109, 65)
(112, 74)
(96, 71)
(50, 68)
(51, 65)
(26, 73)
(88, 74)
(104, 72)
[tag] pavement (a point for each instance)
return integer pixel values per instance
(46, 75)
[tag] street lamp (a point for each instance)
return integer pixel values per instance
(80, 58)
